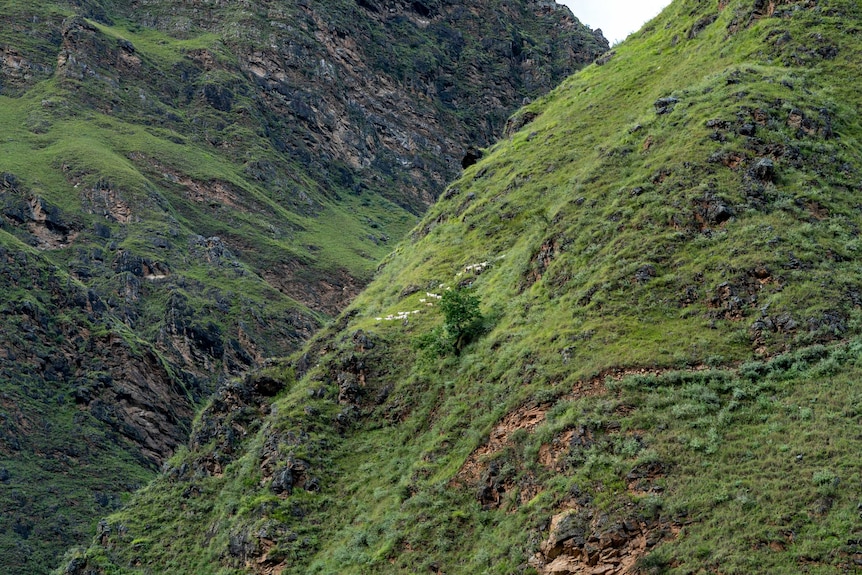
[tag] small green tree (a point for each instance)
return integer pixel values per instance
(462, 323)
(462, 318)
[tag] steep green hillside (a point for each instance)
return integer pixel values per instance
(627, 340)
(187, 189)
(61, 466)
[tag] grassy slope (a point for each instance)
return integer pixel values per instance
(48, 129)
(602, 222)
(56, 147)
(61, 465)
(104, 116)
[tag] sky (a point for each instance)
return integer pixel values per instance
(616, 18)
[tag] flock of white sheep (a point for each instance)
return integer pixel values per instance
(402, 315)
(429, 296)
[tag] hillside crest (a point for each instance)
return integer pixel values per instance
(661, 371)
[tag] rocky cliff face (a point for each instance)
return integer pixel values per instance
(88, 410)
(307, 102)
(189, 188)
(627, 340)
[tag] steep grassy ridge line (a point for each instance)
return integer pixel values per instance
(209, 152)
(665, 374)
(187, 189)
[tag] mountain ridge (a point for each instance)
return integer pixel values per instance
(188, 189)
(662, 376)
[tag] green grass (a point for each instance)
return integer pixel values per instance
(62, 465)
(597, 222)
(157, 45)
(753, 455)
(141, 130)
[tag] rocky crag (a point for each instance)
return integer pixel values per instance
(189, 188)
(627, 340)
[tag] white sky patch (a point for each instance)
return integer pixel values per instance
(616, 18)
